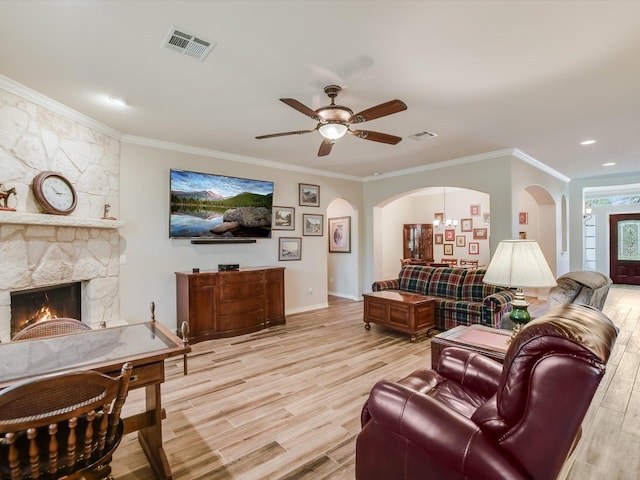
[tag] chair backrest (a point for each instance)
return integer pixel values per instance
(56, 425)
(470, 263)
(550, 375)
(452, 262)
(412, 261)
(50, 328)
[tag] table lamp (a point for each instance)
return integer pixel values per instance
(519, 264)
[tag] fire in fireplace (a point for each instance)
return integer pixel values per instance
(37, 304)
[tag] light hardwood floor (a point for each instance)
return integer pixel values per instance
(285, 403)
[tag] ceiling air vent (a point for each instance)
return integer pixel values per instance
(423, 135)
(180, 41)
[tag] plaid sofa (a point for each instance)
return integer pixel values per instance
(462, 297)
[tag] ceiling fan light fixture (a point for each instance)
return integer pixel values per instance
(332, 131)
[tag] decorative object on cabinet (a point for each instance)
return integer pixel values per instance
(55, 194)
(5, 194)
(461, 241)
(309, 195)
(466, 224)
(312, 224)
(284, 218)
(417, 241)
(224, 304)
(474, 248)
(448, 248)
(479, 233)
(289, 248)
(340, 235)
(523, 218)
(474, 210)
(438, 238)
(449, 235)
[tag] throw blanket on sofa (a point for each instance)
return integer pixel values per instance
(462, 297)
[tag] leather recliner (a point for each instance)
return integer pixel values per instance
(473, 418)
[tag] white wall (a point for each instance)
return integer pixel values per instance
(152, 258)
(342, 268)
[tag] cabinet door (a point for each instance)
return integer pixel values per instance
(202, 319)
(274, 295)
(417, 241)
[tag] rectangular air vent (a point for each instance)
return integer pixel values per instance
(180, 41)
(422, 135)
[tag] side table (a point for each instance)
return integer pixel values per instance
(478, 338)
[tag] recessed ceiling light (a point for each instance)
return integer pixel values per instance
(610, 164)
(587, 142)
(121, 102)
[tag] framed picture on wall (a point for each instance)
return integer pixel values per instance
(466, 224)
(340, 235)
(448, 248)
(309, 195)
(523, 218)
(461, 241)
(439, 216)
(474, 248)
(438, 239)
(312, 224)
(474, 210)
(284, 218)
(479, 233)
(449, 235)
(289, 248)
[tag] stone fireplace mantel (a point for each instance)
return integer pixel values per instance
(21, 218)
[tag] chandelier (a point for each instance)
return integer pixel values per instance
(448, 222)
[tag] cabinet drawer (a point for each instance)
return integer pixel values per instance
(243, 320)
(247, 290)
(234, 278)
(248, 305)
(147, 374)
(202, 280)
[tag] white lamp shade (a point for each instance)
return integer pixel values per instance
(332, 131)
(519, 264)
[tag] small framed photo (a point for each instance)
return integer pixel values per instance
(523, 218)
(309, 195)
(474, 210)
(439, 216)
(312, 224)
(340, 235)
(448, 248)
(449, 235)
(438, 239)
(522, 235)
(466, 224)
(284, 218)
(474, 248)
(479, 233)
(461, 241)
(289, 248)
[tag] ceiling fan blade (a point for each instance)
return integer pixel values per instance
(382, 110)
(325, 148)
(293, 103)
(376, 136)
(297, 132)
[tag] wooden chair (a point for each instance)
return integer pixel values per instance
(50, 328)
(468, 263)
(412, 261)
(452, 262)
(63, 426)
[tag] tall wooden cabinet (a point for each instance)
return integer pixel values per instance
(223, 304)
(417, 241)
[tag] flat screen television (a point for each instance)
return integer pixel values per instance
(205, 205)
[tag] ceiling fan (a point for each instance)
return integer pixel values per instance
(334, 120)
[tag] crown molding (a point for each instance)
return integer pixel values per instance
(20, 90)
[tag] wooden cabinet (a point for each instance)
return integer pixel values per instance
(222, 304)
(417, 241)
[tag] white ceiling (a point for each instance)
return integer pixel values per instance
(539, 76)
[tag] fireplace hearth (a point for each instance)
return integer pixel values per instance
(37, 304)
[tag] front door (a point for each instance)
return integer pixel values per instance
(624, 263)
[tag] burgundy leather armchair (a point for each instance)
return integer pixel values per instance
(473, 418)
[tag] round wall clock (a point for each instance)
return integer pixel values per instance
(54, 193)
